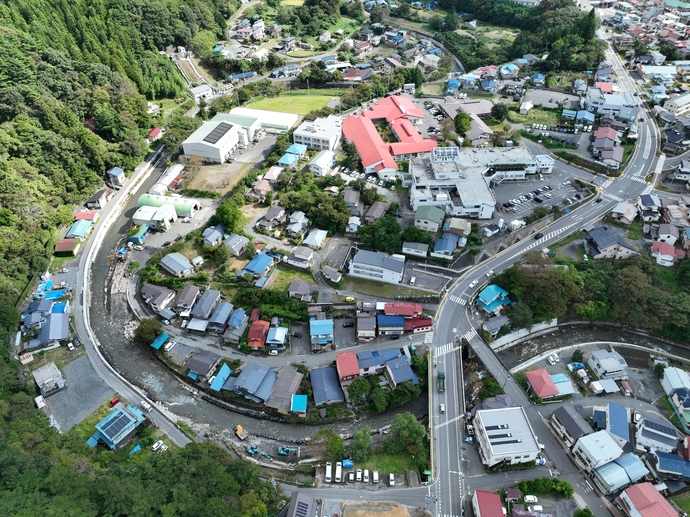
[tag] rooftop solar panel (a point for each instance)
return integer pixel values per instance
(116, 425)
(217, 133)
(302, 509)
(658, 426)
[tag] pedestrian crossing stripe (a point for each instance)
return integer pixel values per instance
(470, 335)
(458, 300)
(611, 196)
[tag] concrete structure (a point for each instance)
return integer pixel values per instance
(215, 141)
(594, 450)
(678, 105)
(505, 436)
(322, 163)
(608, 365)
(377, 266)
(320, 134)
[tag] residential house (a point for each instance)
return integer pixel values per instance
(541, 384)
(624, 212)
(332, 274)
(650, 207)
(301, 257)
(258, 266)
(391, 65)
(281, 399)
(570, 425)
(256, 338)
(275, 216)
(415, 248)
(54, 330)
(377, 266)
(185, 299)
(376, 211)
(237, 244)
(298, 222)
(177, 265)
(299, 289)
(202, 365)
(428, 218)
(607, 364)
(99, 199)
(323, 163)
(651, 434)
(259, 190)
(390, 325)
(579, 87)
(537, 79)
(674, 379)
(204, 306)
(494, 325)
(668, 233)
(491, 427)
(492, 298)
(347, 366)
(213, 235)
(487, 504)
(398, 370)
(325, 386)
(353, 201)
(325, 37)
(681, 401)
(255, 382)
(219, 319)
(366, 326)
(116, 176)
(315, 239)
(321, 332)
(594, 450)
(644, 500)
(665, 254)
(619, 473)
(157, 296)
(236, 326)
(605, 242)
(117, 428)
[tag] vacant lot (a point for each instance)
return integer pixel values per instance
(535, 116)
(380, 510)
(683, 501)
(285, 275)
(300, 104)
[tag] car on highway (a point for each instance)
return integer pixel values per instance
(489, 272)
(468, 439)
(538, 235)
(157, 445)
(474, 283)
(599, 200)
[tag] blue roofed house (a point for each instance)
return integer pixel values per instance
(79, 230)
(325, 386)
(492, 298)
(219, 319)
(469, 83)
(651, 434)
(54, 330)
(619, 473)
(373, 362)
(321, 332)
(116, 176)
(537, 79)
(489, 85)
(298, 150)
(509, 71)
(236, 326)
(585, 116)
(617, 420)
(221, 377)
(255, 382)
(390, 325)
(443, 248)
(177, 265)
(299, 405)
(118, 428)
(399, 370)
(289, 160)
(258, 266)
(671, 466)
(315, 239)
(566, 113)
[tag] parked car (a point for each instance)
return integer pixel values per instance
(114, 402)
(169, 345)
(391, 479)
(349, 324)
(296, 334)
(157, 445)
(359, 475)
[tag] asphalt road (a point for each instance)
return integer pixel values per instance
(456, 320)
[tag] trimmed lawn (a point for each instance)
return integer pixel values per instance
(381, 289)
(298, 104)
(303, 53)
(284, 276)
(387, 463)
(683, 501)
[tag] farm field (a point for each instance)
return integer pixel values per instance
(298, 104)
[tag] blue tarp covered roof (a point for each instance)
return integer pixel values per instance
(159, 341)
(221, 377)
(299, 403)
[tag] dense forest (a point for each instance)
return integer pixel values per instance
(554, 27)
(634, 292)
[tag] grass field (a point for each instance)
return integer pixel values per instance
(303, 53)
(284, 276)
(295, 3)
(299, 104)
(683, 501)
(387, 463)
(535, 116)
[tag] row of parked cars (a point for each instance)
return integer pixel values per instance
(537, 196)
(360, 175)
(434, 111)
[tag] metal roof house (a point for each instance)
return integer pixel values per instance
(276, 338)
(236, 326)
(177, 265)
(674, 379)
(398, 370)
(570, 425)
(256, 382)
(655, 435)
(259, 265)
(213, 235)
(608, 365)
(219, 318)
(595, 450)
(301, 505)
(286, 385)
(237, 244)
(644, 500)
(185, 298)
(390, 325)
(315, 238)
(79, 230)
(670, 466)
(377, 266)
(203, 364)
(157, 296)
(325, 386)
(619, 473)
(492, 298)
(117, 428)
(203, 308)
(54, 330)
(48, 379)
(321, 331)
(617, 420)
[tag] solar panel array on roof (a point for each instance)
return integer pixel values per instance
(302, 509)
(217, 133)
(116, 425)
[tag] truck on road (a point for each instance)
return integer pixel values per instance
(441, 381)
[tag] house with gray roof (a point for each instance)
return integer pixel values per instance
(606, 242)
(376, 211)
(608, 364)
(501, 401)
(213, 235)
(505, 436)
(594, 450)
(286, 385)
(177, 265)
(236, 326)
(376, 265)
(674, 379)
(275, 216)
(219, 319)
(202, 365)
(255, 382)
(298, 288)
(570, 425)
(157, 296)
(325, 386)
(237, 244)
(353, 201)
(54, 330)
(204, 307)
(652, 434)
(185, 299)
(41, 306)
(399, 370)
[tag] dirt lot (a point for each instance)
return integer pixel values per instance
(380, 510)
(219, 178)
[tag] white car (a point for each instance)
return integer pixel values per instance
(169, 345)
(455, 331)
(489, 273)
(366, 475)
(392, 479)
(443, 408)
(157, 445)
(474, 283)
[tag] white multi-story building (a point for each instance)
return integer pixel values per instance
(595, 450)
(505, 436)
(322, 163)
(678, 105)
(599, 102)
(320, 134)
(214, 141)
(375, 265)
(457, 181)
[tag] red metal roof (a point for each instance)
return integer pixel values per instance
(403, 309)
(606, 132)
(649, 502)
(393, 108)
(154, 132)
(346, 364)
(255, 314)
(370, 146)
(541, 383)
(66, 244)
(416, 323)
(489, 504)
(604, 86)
(86, 215)
(256, 338)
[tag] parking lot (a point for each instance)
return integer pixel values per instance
(550, 99)
(520, 197)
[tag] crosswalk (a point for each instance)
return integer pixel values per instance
(453, 345)
(543, 239)
(428, 338)
(612, 197)
(458, 299)
(606, 183)
(639, 179)
(445, 349)
(470, 335)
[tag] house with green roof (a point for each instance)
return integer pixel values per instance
(429, 218)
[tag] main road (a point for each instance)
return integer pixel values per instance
(456, 320)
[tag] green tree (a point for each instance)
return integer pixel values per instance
(577, 356)
(250, 250)
(358, 389)
(378, 398)
(583, 512)
(335, 450)
(540, 211)
(408, 435)
(463, 123)
(229, 215)
(147, 330)
(452, 21)
(521, 316)
(659, 370)
(499, 111)
(382, 235)
(360, 446)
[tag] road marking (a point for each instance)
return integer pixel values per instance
(639, 180)
(611, 196)
(446, 349)
(471, 334)
(458, 300)
(428, 338)
(606, 183)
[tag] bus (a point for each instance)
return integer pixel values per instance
(338, 472)
(328, 472)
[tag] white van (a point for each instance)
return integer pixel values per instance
(375, 476)
(273, 352)
(413, 280)
(535, 508)
(146, 405)
(366, 475)
(392, 479)
(531, 499)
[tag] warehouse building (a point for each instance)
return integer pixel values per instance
(215, 141)
(505, 436)
(270, 121)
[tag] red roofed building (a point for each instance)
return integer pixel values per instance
(67, 247)
(606, 132)
(348, 367)
(370, 146)
(541, 383)
(643, 500)
(256, 338)
(155, 134)
(393, 108)
(255, 315)
(409, 310)
(665, 254)
(419, 325)
(87, 215)
(604, 86)
(487, 504)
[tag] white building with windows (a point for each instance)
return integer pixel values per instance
(214, 141)
(375, 265)
(320, 134)
(322, 163)
(599, 102)
(595, 450)
(505, 436)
